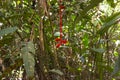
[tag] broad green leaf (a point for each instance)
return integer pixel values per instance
(99, 50)
(7, 31)
(109, 22)
(117, 66)
(28, 52)
(56, 71)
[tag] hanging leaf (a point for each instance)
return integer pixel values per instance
(99, 50)
(7, 31)
(117, 66)
(109, 22)
(28, 52)
(56, 71)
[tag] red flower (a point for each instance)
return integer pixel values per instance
(62, 7)
(57, 39)
(58, 45)
(64, 41)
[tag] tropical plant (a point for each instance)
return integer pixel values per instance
(28, 31)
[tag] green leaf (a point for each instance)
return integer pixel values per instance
(99, 50)
(83, 14)
(111, 3)
(109, 22)
(117, 66)
(28, 52)
(7, 31)
(85, 40)
(56, 71)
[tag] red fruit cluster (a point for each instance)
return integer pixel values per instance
(62, 7)
(60, 42)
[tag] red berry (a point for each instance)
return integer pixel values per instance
(58, 45)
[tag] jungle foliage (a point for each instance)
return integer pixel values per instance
(28, 30)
